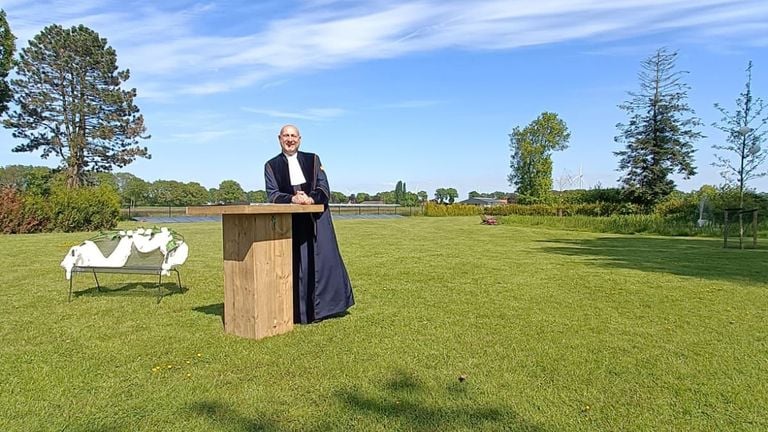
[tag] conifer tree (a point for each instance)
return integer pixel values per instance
(7, 48)
(660, 133)
(69, 103)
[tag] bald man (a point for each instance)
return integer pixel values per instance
(321, 286)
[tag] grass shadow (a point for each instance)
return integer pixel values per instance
(405, 401)
(230, 419)
(401, 402)
(212, 309)
(700, 258)
(132, 289)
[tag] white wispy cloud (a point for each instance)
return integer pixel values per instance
(175, 48)
(309, 114)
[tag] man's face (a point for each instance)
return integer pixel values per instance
(289, 140)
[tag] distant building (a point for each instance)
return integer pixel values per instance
(485, 202)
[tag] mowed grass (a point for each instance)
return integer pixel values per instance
(553, 330)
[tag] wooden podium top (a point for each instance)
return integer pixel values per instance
(253, 209)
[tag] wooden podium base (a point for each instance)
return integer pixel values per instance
(258, 266)
(258, 282)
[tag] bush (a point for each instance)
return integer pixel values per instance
(618, 224)
(593, 209)
(84, 208)
(19, 215)
(433, 209)
(679, 206)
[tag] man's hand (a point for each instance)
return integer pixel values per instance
(302, 198)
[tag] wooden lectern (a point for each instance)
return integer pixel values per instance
(258, 266)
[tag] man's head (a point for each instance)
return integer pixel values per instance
(290, 139)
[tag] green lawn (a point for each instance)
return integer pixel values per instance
(554, 330)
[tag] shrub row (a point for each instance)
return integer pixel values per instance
(81, 209)
(678, 207)
(618, 224)
(596, 209)
(433, 209)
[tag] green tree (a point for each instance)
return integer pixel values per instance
(387, 197)
(399, 191)
(660, 133)
(70, 103)
(423, 196)
(258, 196)
(745, 129)
(531, 159)
(474, 194)
(133, 190)
(102, 179)
(230, 192)
(338, 197)
(409, 199)
(160, 192)
(36, 180)
(166, 193)
(7, 48)
(193, 194)
(441, 195)
(451, 194)
(446, 195)
(362, 196)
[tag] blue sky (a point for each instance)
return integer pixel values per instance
(420, 91)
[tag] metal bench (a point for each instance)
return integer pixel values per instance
(150, 263)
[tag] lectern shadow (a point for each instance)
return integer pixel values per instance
(212, 309)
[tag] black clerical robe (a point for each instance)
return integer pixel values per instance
(321, 286)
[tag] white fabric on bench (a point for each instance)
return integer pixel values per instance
(88, 253)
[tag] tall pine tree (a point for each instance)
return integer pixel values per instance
(660, 133)
(70, 103)
(7, 47)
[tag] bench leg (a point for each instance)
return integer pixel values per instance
(178, 278)
(71, 277)
(98, 287)
(160, 287)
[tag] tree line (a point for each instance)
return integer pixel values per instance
(134, 191)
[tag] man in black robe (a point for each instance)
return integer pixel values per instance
(321, 286)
